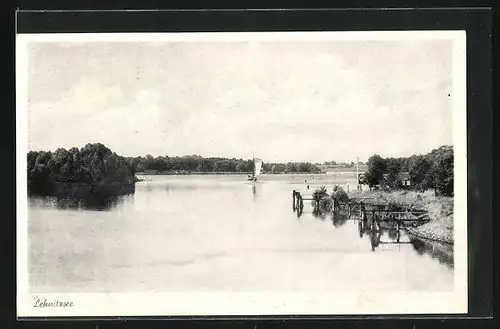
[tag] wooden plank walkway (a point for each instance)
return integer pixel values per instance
(376, 211)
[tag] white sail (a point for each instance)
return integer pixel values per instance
(258, 167)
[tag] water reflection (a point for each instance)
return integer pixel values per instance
(130, 247)
(300, 211)
(375, 236)
(185, 186)
(87, 203)
(381, 233)
(318, 214)
(375, 231)
(395, 233)
(440, 251)
(339, 218)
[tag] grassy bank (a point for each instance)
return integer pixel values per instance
(439, 209)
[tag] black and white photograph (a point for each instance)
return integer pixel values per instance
(263, 173)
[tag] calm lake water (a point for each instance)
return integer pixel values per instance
(220, 233)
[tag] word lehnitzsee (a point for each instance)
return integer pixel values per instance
(52, 303)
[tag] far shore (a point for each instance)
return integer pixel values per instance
(218, 173)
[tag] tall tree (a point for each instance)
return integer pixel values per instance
(376, 168)
(419, 169)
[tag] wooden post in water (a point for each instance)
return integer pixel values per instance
(357, 174)
(333, 207)
(293, 198)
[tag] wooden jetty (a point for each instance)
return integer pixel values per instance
(359, 210)
(379, 210)
(298, 199)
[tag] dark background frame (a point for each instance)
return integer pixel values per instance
(476, 21)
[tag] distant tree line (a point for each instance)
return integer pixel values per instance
(91, 164)
(196, 163)
(342, 164)
(291, 167)
(434, 170)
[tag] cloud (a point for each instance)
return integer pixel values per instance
(89, 112)
(281, 100)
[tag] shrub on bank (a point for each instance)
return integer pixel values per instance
(326, 202)
(319, 194)
(339, 195)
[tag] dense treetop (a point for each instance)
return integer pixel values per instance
(434, 170)
(91, 164)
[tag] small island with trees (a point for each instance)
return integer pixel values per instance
(91, 172)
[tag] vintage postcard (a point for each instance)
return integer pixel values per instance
(306, 173)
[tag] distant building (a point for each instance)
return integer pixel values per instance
(405, 179)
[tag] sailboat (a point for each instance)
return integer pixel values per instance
(257, 167)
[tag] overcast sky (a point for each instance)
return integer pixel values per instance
(280, 100)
